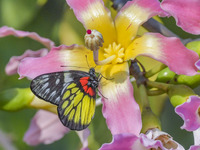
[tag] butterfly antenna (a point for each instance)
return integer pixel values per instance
(101, 76)
(102, 94)
(73, 66)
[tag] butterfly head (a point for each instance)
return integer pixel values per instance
(92, 71)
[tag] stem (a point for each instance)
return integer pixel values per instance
(155, 26)
(155, 92)
(143, 96)
(155, 70)
(161, 86)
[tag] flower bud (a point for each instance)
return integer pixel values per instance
(195, 46)
(15, 99)
(165, 76)
(179, 94)
(191, 81)
(149, 120)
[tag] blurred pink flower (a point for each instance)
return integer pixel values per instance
(185, 12)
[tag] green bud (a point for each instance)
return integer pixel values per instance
(179, 94)
(165, 75)
(191, 81)
(195, 46)
(15, 99)
(149, 120)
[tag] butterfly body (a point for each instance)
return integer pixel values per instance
(74, 92)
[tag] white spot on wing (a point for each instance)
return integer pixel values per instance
(57, 81)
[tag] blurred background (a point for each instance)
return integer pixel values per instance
(54, 20)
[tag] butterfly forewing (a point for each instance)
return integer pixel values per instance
(69, 91)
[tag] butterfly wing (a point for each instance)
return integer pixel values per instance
(50, 87)
(77, 108)
(76, 105)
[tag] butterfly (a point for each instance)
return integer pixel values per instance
(74, 93)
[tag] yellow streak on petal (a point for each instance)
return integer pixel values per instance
(128, 22)
(98, 18)
(74, 58)
(145, 44)
(117, 75)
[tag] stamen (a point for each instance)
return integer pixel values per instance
(107, 60)
(117, 50)
(94, 40)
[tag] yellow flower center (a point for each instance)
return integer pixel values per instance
(114, 54)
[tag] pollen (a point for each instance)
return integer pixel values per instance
(115, 52)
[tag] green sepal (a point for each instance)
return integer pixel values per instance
(15, 99)
(179, 94)
(149, 120)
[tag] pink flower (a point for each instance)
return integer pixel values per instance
(186, 13)
(189, 112)
(46, 128)
(153, 139)
(120, 45)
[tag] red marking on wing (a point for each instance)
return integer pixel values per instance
(84, 80)
(90, 91)
(85, 88)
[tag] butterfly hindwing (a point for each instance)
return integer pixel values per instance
(69, 91)
(77, 108)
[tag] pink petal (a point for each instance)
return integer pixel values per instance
(94, 15)
(6, 31)
(123, 142)
(12, 66)
(83, 135)
(121, 111)
(132, 16)
(196, 134)
(197, 64)
(189, 112)
(195, 147)
(186, 13)
(154, 138)
(143, 142)
(45, 128)
(58, 56)
(169, 51)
